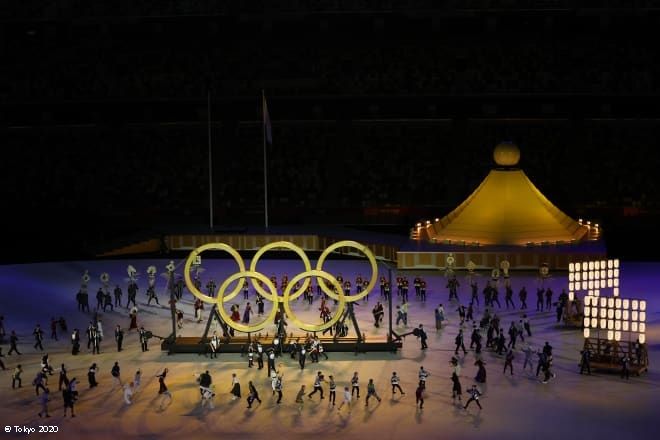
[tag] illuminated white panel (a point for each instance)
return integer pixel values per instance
(617, 314)
(571, 296)
(571, 286)
(610, 324)
(609, 273)
(610, 335)
(610, 313)
(603, 302)
(577, 276)
(642, 316)
(617, 325)
(587, 321)
(571, 277)
(571, 267)
(633, 326)
(625, 315)
(625, 326)
(597, 265)
(615, 282)
(610, 283)
(634, 316)
(603, 313)
(616, 291)
(597, 284)
(591, 265)
(587, 311)
(594, 323)
(597, 292)
(610, 302)
(626, 303)
(603, 324)
(603, 264)
(617, 302)
(586, 333)
(594, 311)
(616, 273)
(642, 338)
(603, 274)
(642, 327)
(642, 306)
(584, 285)
(591, 284)
(635, 304)
(587, 300)
(616, 263)
(617, 336)
(610, 264)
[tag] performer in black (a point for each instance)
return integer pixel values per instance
(143, 339)
(585, 361)
(13, 340)
(119, 336)
(38, 337)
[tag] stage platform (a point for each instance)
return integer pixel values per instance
(402, 251)
(238, 344)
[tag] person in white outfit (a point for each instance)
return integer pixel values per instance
(136, 380)
(347, 400)
(128, 393)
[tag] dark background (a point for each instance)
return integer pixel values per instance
(383, 113)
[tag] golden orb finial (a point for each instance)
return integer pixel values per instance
(506, 154)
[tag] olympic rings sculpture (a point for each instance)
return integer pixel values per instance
(270, 292)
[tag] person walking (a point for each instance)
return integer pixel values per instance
(69, 398)
(508, 362)
(317, 385)
(119, 337)
(346, 401)
(128, 393)
(332, 390)
(394, 381)
(115, 372)
(64, 381)
(235, 387)
(162, 387)
(38, 337)
(16, 377)
(13, 341)
(459, 342)
(300, 398)
(371, 391)
(585, 361)
(474, 397)
(253, 395)
(625, 371)
(456, 390)
(278, 388)
(43, 400)
(419, 395)
(143, 339)
(91, 376)
(355, 384)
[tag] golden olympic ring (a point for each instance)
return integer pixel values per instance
(366, 251)
(275, 245)
(221, 298)
(313, 327)
(191, 259)
(271, 295)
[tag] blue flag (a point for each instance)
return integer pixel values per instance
(267, 128)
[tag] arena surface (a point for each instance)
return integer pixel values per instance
(518, 407)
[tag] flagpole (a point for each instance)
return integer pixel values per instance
(208, 101)
(263, 124)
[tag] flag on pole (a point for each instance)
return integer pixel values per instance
(267, 127)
